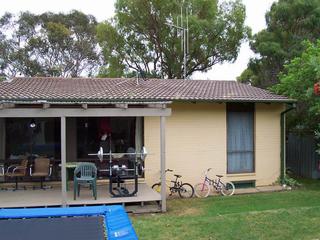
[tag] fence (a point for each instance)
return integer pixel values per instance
(301, 156)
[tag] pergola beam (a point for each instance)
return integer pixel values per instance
(6, 105)
(157, 105)
(122, 105)
(84, 106)
(46, 105)
(90, 112)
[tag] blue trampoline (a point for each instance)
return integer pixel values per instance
(94, 223)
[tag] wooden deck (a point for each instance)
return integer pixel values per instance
(52, 197)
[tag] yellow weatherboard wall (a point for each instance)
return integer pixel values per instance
(196, 140)
(268, 142)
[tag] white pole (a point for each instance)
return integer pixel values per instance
(63, 163)
(163, 164)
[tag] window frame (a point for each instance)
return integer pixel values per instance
(242, 107)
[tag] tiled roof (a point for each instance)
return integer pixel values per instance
(119, 89)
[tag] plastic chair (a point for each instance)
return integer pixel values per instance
(41, 169)
(85, 174)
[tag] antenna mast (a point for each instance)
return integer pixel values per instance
(185, 39)
(184, 35)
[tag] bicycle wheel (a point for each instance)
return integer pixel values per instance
(227, 188)
(202, 190)
(186, 190)
(157, 187)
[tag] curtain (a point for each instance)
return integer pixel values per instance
(240, 143)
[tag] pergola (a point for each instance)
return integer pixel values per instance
(63, 110)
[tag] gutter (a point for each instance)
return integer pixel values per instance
(140, 100)
(283, 141)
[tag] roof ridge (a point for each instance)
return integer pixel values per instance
(120, 78)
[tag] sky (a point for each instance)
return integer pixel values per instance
(104, 9)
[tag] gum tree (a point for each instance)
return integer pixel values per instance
(289, 23)
(140, 39)
(48, 44)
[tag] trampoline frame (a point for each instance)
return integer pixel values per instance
(117, 223)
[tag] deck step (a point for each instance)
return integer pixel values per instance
(147, 208)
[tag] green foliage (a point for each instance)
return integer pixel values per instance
(289, 181)
(289, 22)
(140, 39)
(245, 75)
(297, 82)
(48, 44)
(110, 41)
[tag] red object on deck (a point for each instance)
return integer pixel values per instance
(316, 88)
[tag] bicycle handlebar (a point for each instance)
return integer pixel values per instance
(206, 172)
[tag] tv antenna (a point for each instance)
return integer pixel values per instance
(183, 27)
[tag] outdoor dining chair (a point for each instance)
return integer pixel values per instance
(41, 169)
(1, 171)
(17, 171)
(85, 174)
(2, 174)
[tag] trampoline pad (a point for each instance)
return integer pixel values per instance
(62, 228)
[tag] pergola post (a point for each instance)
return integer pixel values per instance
(2, 138)
(63, 162)
(163, 164)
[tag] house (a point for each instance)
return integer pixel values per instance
(185, 125)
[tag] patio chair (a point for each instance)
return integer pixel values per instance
(41, 169)
(85, 174)
(17, 172)
(2, 174)
(1, 170)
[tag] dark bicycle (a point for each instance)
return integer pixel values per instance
(185, 190)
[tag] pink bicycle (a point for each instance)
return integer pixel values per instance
(203, 189)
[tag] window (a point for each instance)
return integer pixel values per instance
(244, 184)
(41, 139)
(240, 138)
(126, 132)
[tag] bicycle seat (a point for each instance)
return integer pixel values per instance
(178, 176)
(219, 176)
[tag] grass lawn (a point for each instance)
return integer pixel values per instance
(281, 215)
